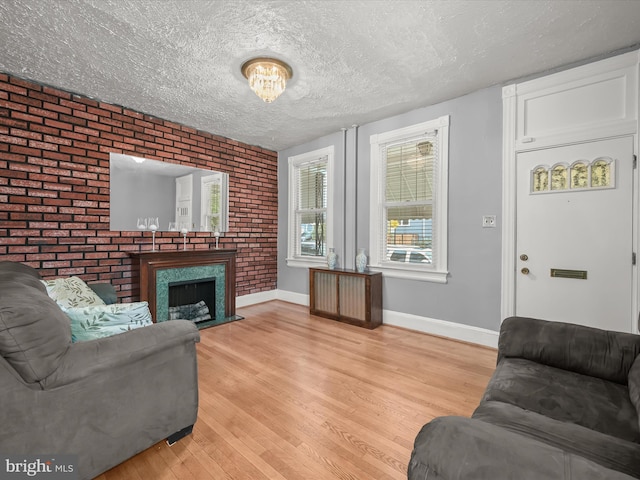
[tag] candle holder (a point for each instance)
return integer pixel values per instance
(216, 235)
(184, 232)
(152, 225)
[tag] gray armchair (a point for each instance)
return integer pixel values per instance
(103, 400)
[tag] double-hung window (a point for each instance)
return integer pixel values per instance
(408, 217)
(310, 207)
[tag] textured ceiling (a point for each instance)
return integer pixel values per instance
(354, 61)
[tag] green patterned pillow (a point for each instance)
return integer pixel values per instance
(98, 321)
(71, 292)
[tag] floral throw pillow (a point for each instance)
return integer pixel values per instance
(98, 321)
(71, 292)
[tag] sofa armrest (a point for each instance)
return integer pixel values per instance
(105, 291)
(585, 350)
(457, 448)
(119, 351)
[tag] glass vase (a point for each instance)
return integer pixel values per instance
(332, 259)
(361, 260)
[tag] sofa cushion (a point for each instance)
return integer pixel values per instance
(98, 321)
(610, 452)
(566, 396)
(34, 332)
(456, 448)
(586, 350)
(105, 291)
(71, 292)
(634, 385)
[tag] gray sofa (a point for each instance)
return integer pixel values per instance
(563, 403)
(103, 400)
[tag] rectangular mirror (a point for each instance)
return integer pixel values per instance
(144, 192)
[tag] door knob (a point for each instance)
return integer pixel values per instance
(524, 257)
(525, 271)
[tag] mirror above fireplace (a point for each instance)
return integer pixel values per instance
(178, 196)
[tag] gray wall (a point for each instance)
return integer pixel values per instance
(472, 294)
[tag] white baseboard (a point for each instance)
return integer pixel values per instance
(253, 298)
(457, 331)
(292, 297)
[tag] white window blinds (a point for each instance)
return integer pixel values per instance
(409, 170)
(311, 208)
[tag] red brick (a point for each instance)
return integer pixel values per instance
(91, 132)
(7, 87)
(34, 102)
(88, 116)
(43, 145)
(72, 105)
(111, 108)
(55, 92)
(57, 124)
(40, 112)
(45, 97)
(44, 129)
(74, 135)
(73, 120)
(86, 101)
(26, 117)
(13, 140)
(13, 106)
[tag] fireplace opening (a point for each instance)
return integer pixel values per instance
(193, 300)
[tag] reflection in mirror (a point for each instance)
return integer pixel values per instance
(175, 197)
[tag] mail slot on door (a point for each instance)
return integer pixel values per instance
(561, 273)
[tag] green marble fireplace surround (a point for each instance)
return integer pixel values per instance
(164, 278)
(156, 271)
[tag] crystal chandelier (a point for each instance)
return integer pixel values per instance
(267, 77)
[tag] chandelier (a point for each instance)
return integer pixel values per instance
(267, 77)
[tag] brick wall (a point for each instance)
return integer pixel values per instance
(54, 187)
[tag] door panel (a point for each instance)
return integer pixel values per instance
(585, 231)
(184, 202)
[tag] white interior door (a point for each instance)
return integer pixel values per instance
(184, 202)
(574, 234)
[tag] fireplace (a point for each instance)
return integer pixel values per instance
(210, 272)
(193, 300)
(166, 277)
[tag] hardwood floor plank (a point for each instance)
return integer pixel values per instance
(288, 396)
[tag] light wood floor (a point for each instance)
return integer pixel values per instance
(286, 395)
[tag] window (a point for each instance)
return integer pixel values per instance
(310, 207)
(408, 218)
(214, 206)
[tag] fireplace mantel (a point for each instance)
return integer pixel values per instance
(147, 264)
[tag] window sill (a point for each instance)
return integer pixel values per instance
(412, 274)
(306, 262)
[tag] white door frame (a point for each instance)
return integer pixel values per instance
(509, 207)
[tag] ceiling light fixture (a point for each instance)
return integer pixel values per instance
(267, 77)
